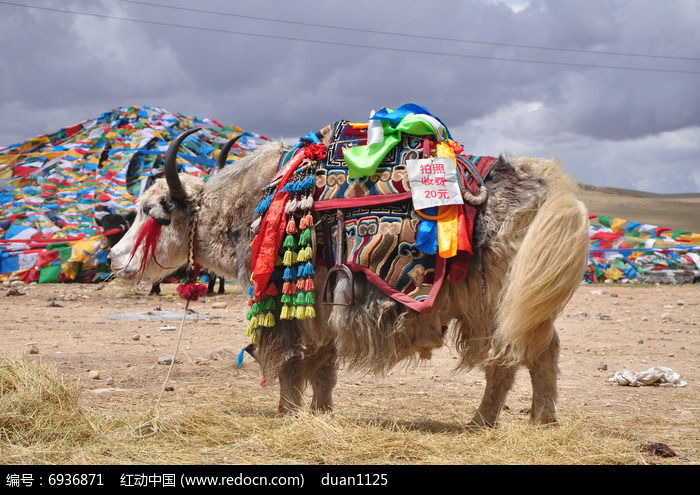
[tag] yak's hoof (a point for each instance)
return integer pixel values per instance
(480, 422)
(544, 419)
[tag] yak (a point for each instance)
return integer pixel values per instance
(114, 221)
(530, 242)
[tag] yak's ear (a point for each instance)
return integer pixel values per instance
(98, 221)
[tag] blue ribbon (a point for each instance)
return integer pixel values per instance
(427, 233)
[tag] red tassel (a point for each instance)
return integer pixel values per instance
(306, 222)
(148, 235)
(270, 291)
(292, 226)
(309, 285)
(191, 292)
(300, 284)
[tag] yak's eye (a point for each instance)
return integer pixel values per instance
(164, 204)
(146, 208)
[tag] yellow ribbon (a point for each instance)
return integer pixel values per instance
(447, 216)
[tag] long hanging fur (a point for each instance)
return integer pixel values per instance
(547, 268)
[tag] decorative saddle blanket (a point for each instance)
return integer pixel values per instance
(379, 221)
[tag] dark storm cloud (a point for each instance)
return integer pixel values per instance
(59, 69)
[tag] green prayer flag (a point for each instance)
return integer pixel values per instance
(49, 274)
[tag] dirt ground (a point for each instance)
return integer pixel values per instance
(603, 329)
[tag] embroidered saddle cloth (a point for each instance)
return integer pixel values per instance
(380, 221)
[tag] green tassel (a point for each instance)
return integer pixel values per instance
(289, 242)
(305, 237)
(286, 299)
(310, 299)
(268, 304)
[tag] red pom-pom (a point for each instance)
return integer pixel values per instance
(191, 292)
(315, 151)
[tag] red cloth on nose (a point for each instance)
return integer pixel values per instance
(148, 235)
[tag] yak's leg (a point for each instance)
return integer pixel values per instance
(210, 285)
(292, 385)
(221, 286)
(155, 289)
(543, 375)
(323, 381)
(499, 380)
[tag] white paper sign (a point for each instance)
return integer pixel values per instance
(433, 182)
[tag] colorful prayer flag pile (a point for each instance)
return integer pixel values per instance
(53, 187)
(626, 251)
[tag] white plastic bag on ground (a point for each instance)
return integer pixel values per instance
(653, 376)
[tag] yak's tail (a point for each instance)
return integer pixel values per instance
(547, 269)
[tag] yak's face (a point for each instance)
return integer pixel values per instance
(157, 211)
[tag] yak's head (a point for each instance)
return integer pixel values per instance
(157, 243)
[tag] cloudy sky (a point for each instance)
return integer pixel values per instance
(549, 78)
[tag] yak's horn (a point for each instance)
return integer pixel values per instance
(177, 192)
(223, 155)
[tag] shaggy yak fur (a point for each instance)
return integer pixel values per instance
(531, 242)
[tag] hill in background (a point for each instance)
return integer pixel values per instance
(677, 211)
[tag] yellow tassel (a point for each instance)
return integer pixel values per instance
(284, 314)
(299, 312)
(269, 320)
(287, 261)
(253, 322)
(309, 312)
(253, 334)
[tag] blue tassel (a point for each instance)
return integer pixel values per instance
(309, 270)
(291, 187)
(251, 292)
(307, 183)
(264, 205)
(289, 274)
(239, 361)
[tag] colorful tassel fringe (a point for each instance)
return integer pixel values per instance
(291, 288)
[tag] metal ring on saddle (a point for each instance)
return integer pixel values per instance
(338, 266)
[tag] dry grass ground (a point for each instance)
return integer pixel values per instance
(52, 412)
